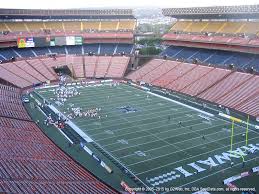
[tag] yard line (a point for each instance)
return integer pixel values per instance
(143, 115)
(169, 164)
(135, 145)
(117, 124)
(137, 126)
(184, 141)
(147, 135)
(163, 120)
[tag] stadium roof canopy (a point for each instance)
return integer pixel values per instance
(46, 14)
(217, 12)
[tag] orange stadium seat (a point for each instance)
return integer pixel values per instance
(109, 26)
(72, 26)
(91, 25)
(127, 25)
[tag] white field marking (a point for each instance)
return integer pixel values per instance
(144, 114)
(112, 105)
(189, 148)
(211, 174)
(143, 130)
(169, 164)
(182, 142)
(123, 128)
(185, 105)
(156, 134)
(161, 139)
(135, 145)
(118, 123)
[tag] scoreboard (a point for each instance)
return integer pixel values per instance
(49, 41)
(25, 42)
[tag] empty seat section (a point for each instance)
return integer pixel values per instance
(124, 48)
(76, 50)
(89, 26)
(127, 25)
(30, 70)
(219, 57)
(90, 64)
(251, 106)
(196, 73)
(16, 26)
(103, 64)
(93, 48)
(231, 27)
(75, 63)
(196, 26)
(58, 49)
(240, 59)
(213, 27)
(203, 55)
(172, 51)
(12, 78)
(165, 67)
(24, 52)
(145, 69)
(72, 26)
(41, 51)
(117, 67)
(20, 72)
(8, 53)
(241, 93)
(35, 26)
(107, 49)
(41, 68)
(187, 53)
(250, 28)
(206, 81)
(225, 86)
(54, 26)
(109, 26)
(180, 26)
(176, 73)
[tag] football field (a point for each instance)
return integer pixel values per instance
(164, 143)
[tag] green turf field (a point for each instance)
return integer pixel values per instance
(153, 146)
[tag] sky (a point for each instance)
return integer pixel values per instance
(70, 4)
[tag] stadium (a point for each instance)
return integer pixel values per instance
(83, 110)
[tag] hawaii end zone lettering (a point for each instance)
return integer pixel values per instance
(203, 165)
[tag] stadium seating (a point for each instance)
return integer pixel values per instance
(109, 26)
(223, 27)
(102, 49)
(225, 86)
(30, 162)
(90, 65)
(102, 66)
(107, 49)
(68, 26)
(117, 67)
(215, 57)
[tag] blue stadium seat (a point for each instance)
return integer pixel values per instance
(240, 59)
(126, 48)
(107, 49)
(219, 57)
(8, 53)
(91, 48)
(74, 49)
(24, 52)
(172, 50)
(58, 49)
(41, 51)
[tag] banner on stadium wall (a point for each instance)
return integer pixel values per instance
(25, 42)
(70, 40)
(78, 40)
